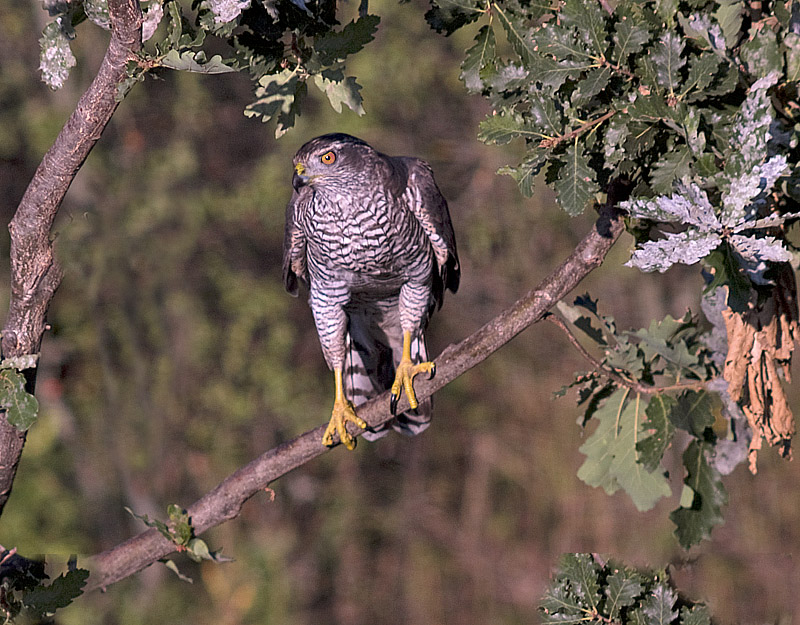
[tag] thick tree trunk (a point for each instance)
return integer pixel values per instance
(35, 274)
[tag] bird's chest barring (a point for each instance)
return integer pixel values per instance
(354, 241)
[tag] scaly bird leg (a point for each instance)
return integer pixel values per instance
(343, 412)
(404, 378)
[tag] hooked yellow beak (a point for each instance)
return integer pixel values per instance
(299, 179)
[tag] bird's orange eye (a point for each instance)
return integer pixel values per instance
(328, 158)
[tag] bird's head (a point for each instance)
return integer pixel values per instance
(333, 160)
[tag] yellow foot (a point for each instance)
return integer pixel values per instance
(404, 380)
(343, 412)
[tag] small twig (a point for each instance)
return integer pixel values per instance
(554, 141)
(596, 364)
(613, 374)
(8, 554)
(619, 69)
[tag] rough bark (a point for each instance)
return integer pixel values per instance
(35, 273)
(226, 500)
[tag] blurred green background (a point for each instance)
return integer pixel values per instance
(176, 356)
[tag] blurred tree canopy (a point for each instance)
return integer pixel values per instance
(175, 356)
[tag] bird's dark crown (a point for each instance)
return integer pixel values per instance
(334, 140)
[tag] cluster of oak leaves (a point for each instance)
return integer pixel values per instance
(692, 105)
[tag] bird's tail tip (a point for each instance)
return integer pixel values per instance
(409, 423)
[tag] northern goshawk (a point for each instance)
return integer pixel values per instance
(370, 235)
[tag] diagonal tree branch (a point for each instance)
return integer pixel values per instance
(35, 274)
(226, 500)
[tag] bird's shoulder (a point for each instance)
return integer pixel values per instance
(430, 208)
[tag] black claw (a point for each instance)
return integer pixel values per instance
(393, 404)
(433, 371)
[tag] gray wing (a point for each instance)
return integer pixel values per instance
(430, 208)
(294, 244)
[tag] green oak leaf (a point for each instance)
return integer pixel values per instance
(696, 615)
(552, 74)
(337, 45)
(729, 17)
(589, 19)
(162, 527)
(560, 42)
(702, 499)
(595, 81)
(525, 174)
(478, 57)
(518, 36)
(792, 43)
(728, 272)
(629, 37)
(22, 408)
(505, 126)
(644, 487)
(702, 70)
(673, 166)
(576, 184)
(657, 607)
(447, 16)
(661, 67)
(583, 572)
(278, 97)
(45, 600)
(170, 564)
(667, 10)
(191, 61)
(545, 115)
(694, 411)
(611, 453)
(622, 589)
(762, 54)
(651, 449)
(344, 90)
(560, 606)
(181, 530)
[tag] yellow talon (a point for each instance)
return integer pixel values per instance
(343, 411)
(404, 377)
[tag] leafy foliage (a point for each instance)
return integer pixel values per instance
(282, 45)
(693, 105)
(56, 57)
(676, 100)
(24, 591)
(612, 457)
(45, 600)
(636, 423)
(702, 499)
(21, 407)
(588, 589)
(180, 531)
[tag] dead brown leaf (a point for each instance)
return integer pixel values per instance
(760, 346)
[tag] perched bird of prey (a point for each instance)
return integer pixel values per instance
(370, 235)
